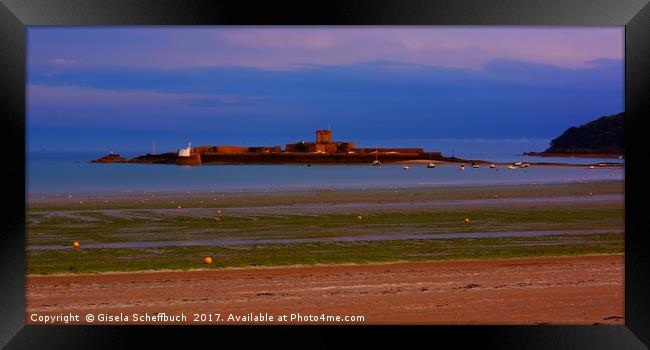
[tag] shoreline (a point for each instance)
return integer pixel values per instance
(574, 155)
(296, 190)
(485, 163)
(437, 162)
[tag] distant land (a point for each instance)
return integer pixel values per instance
(602, 138)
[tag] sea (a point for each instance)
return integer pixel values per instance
(58, 172)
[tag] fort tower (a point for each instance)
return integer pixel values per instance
(323, 136)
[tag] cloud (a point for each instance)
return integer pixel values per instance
(287, 39)
(76, 95)
(62, 61)
(78, 104)
(504, 98)
(290, 48)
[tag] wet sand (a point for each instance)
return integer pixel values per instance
(562, 290)
(359, 238)
(343, 208)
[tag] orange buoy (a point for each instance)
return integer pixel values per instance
(207, 260)
(179, 207)
(359, 217)
(466, 220)
(75, 245)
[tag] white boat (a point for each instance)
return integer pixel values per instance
(492, 165)
(512, 167)
(376, 163)
(406, 167)
(475, 165)
(431, 164)
(462, 167)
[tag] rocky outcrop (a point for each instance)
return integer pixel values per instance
(110, 158)
(164, 158)
(601, 137)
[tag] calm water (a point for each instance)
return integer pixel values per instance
(70, 172)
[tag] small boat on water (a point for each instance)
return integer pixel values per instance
(406, 167)
(431, 164)
(376, 163)
(511, 167)
(493, 166)
(462, 167)
(475, 165)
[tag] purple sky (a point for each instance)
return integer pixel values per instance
(295, 48)
(120, 86)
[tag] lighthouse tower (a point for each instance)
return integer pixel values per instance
(185, 152)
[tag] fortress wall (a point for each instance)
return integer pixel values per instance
(193, 159)
(274, 149)
(201, 149)
(304, 158)
(280, 158)
(230, 149)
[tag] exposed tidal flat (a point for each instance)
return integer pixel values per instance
(144, 230)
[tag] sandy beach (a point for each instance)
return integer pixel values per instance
(558, 290)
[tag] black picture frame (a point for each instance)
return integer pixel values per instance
(15, 15)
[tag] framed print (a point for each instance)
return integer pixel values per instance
(382, 171)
